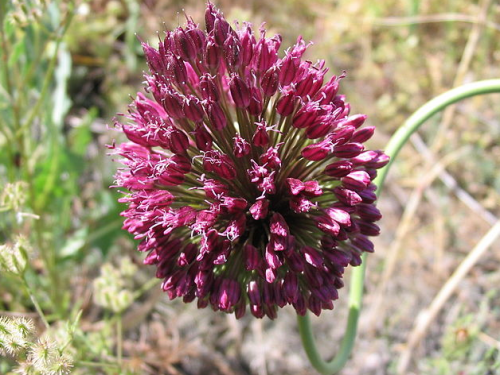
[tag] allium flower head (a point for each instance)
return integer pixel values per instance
(249, 184)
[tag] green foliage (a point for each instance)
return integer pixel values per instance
(462, 348)
(48, 218)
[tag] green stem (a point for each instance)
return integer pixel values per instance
(151, 283)
(35, 303)
(9, 136)
(397, 141)
(97, 364)
(425, 112)
(119, 339)
(48, 75)
(48, 255)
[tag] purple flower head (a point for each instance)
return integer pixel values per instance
(249, 185)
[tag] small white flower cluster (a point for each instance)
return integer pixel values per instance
(13, 196)
(13, 258)
(14, 335)
(43, 357)
(111, 289)
(26, 12)
(46, 358)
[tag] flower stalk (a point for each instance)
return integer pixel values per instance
(398, 140)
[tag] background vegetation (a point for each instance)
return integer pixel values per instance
(73, 294)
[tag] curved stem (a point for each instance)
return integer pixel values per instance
(425, 112)
(397, 141)
(306, 334)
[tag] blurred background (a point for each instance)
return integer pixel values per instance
(69, 68)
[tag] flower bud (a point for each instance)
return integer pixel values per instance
(234, 205)
(347, 197)
(348, 150)
(221, 164)
(212, 55)
(278, 226)
(239, 92)
(256, 105)
(222, 30)
(327, 225)
(184, 45)
(252, 257)
(209, 90)
(269, 81)
(362, 135)
(240, 146)
(286, 104)
(173, 103)
(216, 115)
(288, 69)
(339, 215)
(295, 186)
(259, 209)
(232, 52)
(317, 151)
(176, 70)
(203, 138)
(339, 168)
(368, 229)
(290, 287)
(193, 109)
(153, 58)
(356, 180)
(260, 137)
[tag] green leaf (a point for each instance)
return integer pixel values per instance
(4, 100)
(80, 136)
(16, 53)
(74, 243)
(46, 177)
(107, 228)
